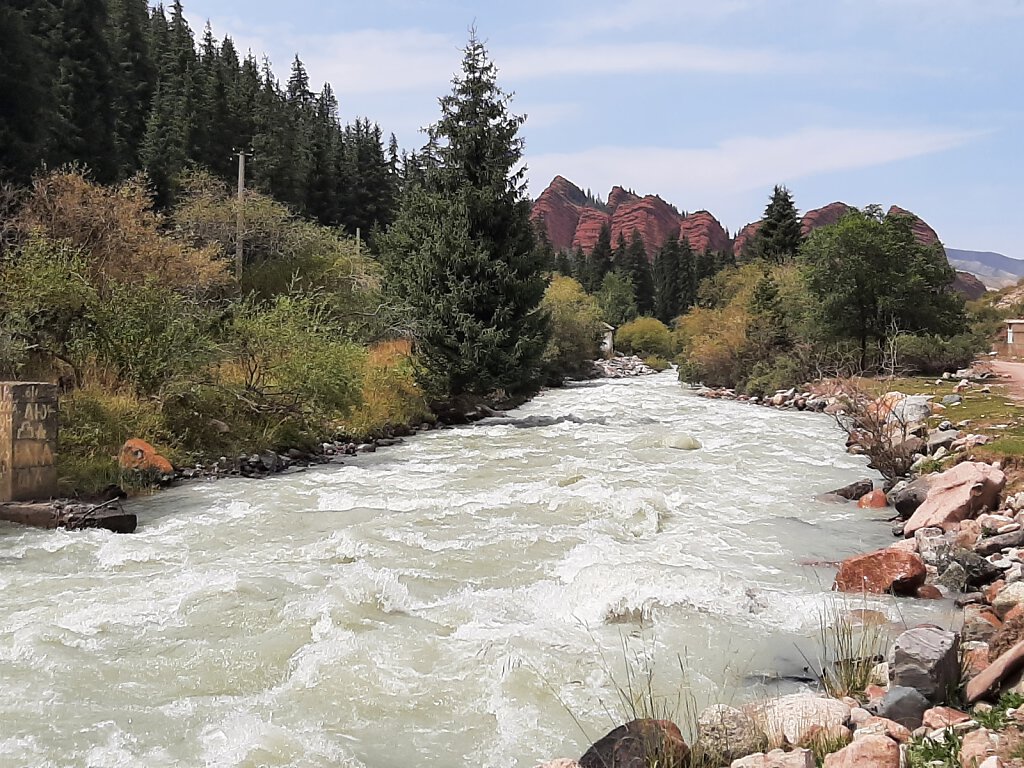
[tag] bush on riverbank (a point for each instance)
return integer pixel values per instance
(137, 315)
(645, 336)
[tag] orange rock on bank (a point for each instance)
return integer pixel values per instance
(141, 456)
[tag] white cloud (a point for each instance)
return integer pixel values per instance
(711, 176)
(631, 14)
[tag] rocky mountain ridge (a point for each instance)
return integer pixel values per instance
(572, 221)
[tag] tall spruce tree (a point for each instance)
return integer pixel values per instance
(134, 78)
(461, 253)
(599, 262)
(667, 289)
(85, 93)
(640, 274)
(779, 238)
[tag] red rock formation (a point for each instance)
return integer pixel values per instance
(589, 228)
(924, 233)
(744, 238)
(652, 217)
(704, 232)
(823, 217)
(968, 286)
(559, 208)
(619, 196)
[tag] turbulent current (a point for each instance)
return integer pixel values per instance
(460, 600)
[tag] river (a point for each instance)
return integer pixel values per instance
(458, 600)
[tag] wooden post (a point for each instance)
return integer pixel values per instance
(28, 441)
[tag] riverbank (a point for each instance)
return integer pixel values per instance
(960, 538)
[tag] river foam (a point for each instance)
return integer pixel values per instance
(439, 603)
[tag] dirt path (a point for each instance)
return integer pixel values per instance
(1011, 375)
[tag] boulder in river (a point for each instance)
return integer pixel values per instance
(854, 490)
(906, 498)
(882, 572)
(639, 743)
(683, 442)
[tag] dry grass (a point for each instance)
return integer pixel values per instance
(390, 395)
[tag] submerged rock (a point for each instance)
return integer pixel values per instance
(683, 443)
(855, 490)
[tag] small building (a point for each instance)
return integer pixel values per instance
(1012, 340)
(608, 340)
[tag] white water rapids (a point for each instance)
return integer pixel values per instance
(446, 602)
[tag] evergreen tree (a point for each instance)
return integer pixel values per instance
(779, 237)
(563, 264)
(667, 288)
(599, 263)
(134, 78)
(691, 273)
(213, 135)
(26, 100)
(85, 95)
(461, 253)
(640, 275)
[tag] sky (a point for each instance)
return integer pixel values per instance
(707, 103)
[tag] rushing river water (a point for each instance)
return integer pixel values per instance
(446, 602)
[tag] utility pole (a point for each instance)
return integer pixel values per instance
(357, 242)
(240, 218)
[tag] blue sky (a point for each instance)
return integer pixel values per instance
(705, 102)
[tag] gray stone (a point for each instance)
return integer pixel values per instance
(909, 497)
(952, 400)
(726, 733)
(854, 491)
(954, 578)
(927, 660)
(905, 706)
(934, 546)
(979, 571)
(912, 409)
(942, 439)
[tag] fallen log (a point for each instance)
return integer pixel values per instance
(73, 516)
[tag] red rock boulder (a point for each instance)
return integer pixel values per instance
(958, 494)
(141, 456)
(874, 500)
(882, 572)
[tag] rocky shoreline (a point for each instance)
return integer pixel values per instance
(942, 696)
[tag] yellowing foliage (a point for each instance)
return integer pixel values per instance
(390, 395)
(118, 232)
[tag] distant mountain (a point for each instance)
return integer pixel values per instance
(573, 219)
(993, 269)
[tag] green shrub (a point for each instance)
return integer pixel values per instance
(657, 363)
(645, 336)
(767, 377)
(931, 354)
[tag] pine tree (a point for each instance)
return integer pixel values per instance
(667, 289)
(563, 264)
(599, 263)
(134, 78)
(85, 128)
(461, 253)
(640, 275)
(690, 275)
(26, 100)
(779, 237)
